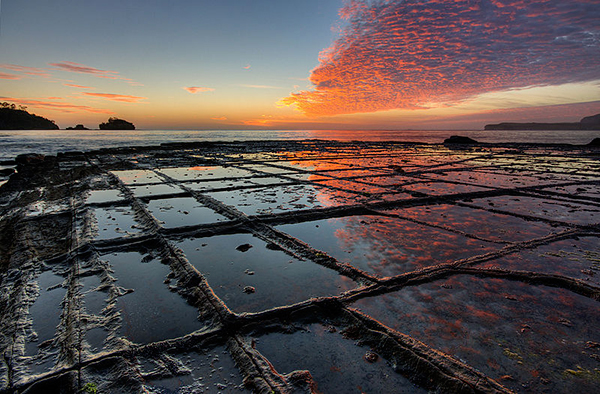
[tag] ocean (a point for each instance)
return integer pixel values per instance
(50, 142)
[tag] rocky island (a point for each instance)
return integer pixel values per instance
(587, 123)
(116, 124)
(78, 127)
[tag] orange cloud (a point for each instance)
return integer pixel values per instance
(197, 89)
(220, 118)
(77, 86)
(61, 107)
(409, 55)
(247, 67)
(117, 97)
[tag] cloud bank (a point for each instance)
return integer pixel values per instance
(415, 54)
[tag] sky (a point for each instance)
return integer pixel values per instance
(310, 64)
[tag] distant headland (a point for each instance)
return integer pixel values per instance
(16, 118)
(587, 123)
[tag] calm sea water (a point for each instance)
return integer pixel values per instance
(50, 142)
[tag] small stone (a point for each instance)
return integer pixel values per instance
(446, 286)
(565, 322)
(243, 248)
(249, 290)
(371, 357)
(248, 272)
(330, 328)
(592, 345)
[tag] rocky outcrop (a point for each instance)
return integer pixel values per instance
(78, 127)
(116, 124)
(458, 139)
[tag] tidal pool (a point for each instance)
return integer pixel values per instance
(386, 246)
(151, 312)
(277, 278)
(336, 364)
(479, 222)
(209, 371)
(564, 211)
(182, 211)
(115, 222)
(104, 196)
(524, 336)
(132, 177)
(205, 172)
(46, 310)
(577, 258)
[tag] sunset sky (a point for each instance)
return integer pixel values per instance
(310, 64)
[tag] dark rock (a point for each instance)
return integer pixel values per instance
(30, 158)
(78, 127)
(371, 357)
(458, 139)
(244, 247)
(249, 290)
(272, 246)
(116, 124)
(7, 171)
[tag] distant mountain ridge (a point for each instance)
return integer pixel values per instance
(587, 123)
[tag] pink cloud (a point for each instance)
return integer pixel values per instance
(260, 86)
(77, 86)
(247, 67)
(116, 97)
(408, 55)
(9, 76)
(39, 72)
(60, 107)
(82, 69)
(197, 89)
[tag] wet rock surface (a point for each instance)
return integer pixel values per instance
(302, 266)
